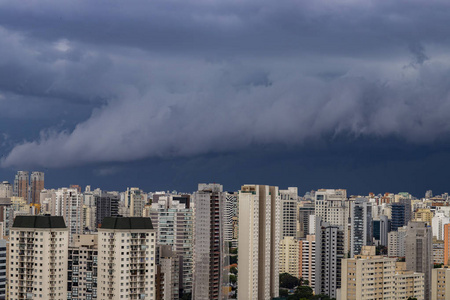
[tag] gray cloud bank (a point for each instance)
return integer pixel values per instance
(181, 78)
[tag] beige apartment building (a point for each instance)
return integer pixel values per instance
(409, 284)
(126, 259)
(289, 256)
(440, 283)
(423, 215)
(371, 277)
(38, 258)
(258, 243)
(307, 260)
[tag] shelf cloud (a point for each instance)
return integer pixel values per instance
(184, 78)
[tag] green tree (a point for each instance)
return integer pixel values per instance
(288, 281)
(233, 260)
(301, 292)
(187, 296)
(233, 278)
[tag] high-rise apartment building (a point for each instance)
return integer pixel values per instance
(440, 283)
(209, 245)
(289, 212)
(38, 258)
(333, 207)
(289, 256)
(135, 200)
(6, 215)
(21, 184)
(371, 277)
(329, 254)
(368, 277)
(437, 223)
(438, 251)
(3, 269)
(361, 225)
(381, 229)
(168, 288)
(231, 212)
(423, 215)
(69, 204)
(107, 205)
(82, 268)
(307, 260)
(409, 285)
(126, 259)
(396, 242)
(172, 218)
(419, 251)
(6, 190)
(400, 213)
(37, 185)
(259, 240)
(447, 244)
(90, 208)
(305, 210)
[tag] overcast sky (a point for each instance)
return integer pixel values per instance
(164, 94)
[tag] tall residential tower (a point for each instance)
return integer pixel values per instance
(209, 245)
(259, 239)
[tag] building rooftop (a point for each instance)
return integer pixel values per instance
(127, 223)
(39, 222)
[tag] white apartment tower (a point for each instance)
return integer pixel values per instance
(126, 259)
(437, 223)
(38, 257)
(69, 204)
(172, 218)
(333, 207)
(259, 242)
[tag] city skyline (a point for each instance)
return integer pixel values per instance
(218, 150)
(152, 188)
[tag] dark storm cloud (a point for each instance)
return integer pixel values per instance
(180, 78)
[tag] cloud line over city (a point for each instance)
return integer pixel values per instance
(177, 78)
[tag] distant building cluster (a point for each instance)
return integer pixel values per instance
(73, 243)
